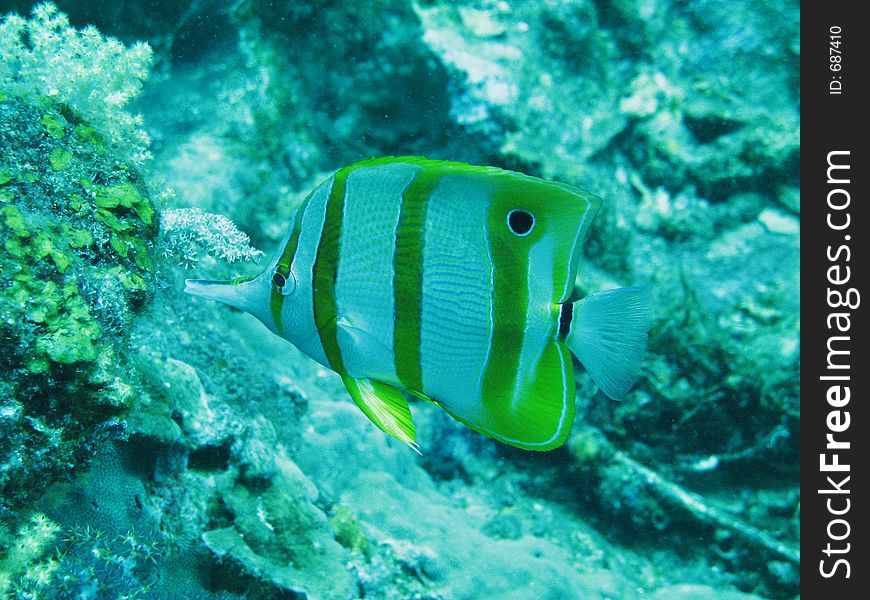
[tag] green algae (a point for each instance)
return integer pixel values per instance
(60, 159)
(55, 125)
(349, 530)
(70, 290)
(14, 220)
(112, 221)
(127, 196)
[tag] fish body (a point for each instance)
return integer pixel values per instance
(452, 283)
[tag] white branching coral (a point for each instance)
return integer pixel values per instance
(184, 231)
(94, 76)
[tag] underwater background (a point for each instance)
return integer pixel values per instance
(153, 445)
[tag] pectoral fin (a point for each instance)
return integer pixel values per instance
(385, 406)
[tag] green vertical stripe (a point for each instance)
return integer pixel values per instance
(510, 303)
(408, 278)
(325, 272)
(276, 300)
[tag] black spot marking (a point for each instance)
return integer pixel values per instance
(566, 313)
(520, 221)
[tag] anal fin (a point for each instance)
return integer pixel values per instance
(385, 406)
(538, 414)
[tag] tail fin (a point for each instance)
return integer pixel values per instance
(609, 335)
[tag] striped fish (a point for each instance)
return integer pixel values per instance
(452, 283)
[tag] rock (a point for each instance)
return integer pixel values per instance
(699, 592)
(278, 537)
(778, 222)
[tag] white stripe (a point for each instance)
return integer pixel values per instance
(574, 259)
(364, 285)
(457, 295)
(538, 330)
(297, 315)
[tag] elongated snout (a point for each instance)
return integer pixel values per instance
(222, 291)
(250, 295)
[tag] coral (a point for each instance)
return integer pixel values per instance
(184, 231)
(76, 226)
(505, 526)
(350, 79)
(699, 592)
(276, 536)
(114, 501)
(81, 562)
(536, 78)
(175, 408)
(93, 76)
(23, 556)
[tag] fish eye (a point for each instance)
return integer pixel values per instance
(520, 222)
(285, 284)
